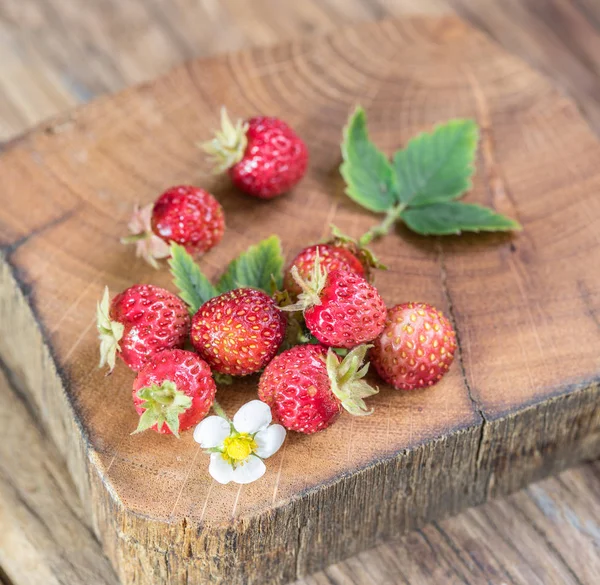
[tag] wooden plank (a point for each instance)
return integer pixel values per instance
(547, 534)
(45, 539)
(79, 54)
(528, 538)
(505, 416)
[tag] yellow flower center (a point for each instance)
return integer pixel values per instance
(238, 447)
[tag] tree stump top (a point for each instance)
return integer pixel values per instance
(526, 306)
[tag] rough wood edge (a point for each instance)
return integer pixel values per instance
(486, 459)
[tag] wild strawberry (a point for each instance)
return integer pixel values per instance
(187, 215)
(263, 156)
(238, 332)
(331, 257)
(307, 387)
(173, 392)
(416, 347)
(341, 309)
(140, 322)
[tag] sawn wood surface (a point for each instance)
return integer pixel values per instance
(83, 169)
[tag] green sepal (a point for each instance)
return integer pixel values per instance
(364, 254)
(162, 405)
(110, 333)
(347, 381)
(147, 244)
(228, 146)
(311, 286)
(222, 379)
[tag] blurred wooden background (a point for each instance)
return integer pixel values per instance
(57, 54)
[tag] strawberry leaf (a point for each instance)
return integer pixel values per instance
(258, 267)
(437, 166)
(194, 288)
(422, 182)
(454, 217)
(369, 176)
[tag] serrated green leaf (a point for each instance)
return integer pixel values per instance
(257, 267)
(194, 288)
(454, 217)
(437, 166)
(368, 173)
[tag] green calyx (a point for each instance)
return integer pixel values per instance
(147, 244)
(222, 379)
(228, 146)
(110, 333)
(311, 287)
(366, 256)
(347, 380)
(162, 405)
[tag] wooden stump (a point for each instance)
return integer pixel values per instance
(520, 402)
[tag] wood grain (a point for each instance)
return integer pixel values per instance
(58, 55)
(547, 534)
(505, 416)
(45, 537)
(34, 81)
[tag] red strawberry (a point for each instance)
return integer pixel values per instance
(173, 392)
(190, 216)
(331, 257)
(264, 156)
(140, 322)
(186, 215)
(416, 347)
(238, 332)
(341, 309)
(307, 387)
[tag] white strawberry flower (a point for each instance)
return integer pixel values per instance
(237, 448)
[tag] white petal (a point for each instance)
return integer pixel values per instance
(269, 440)
(220, 469)
(249, 470)
(252, 417)
(211, 432)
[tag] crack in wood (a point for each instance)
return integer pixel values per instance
(461, 364)
(9, 249)
(585, 294)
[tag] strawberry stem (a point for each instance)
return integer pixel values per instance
(383, 228)
(133, 238)
(219, 411)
